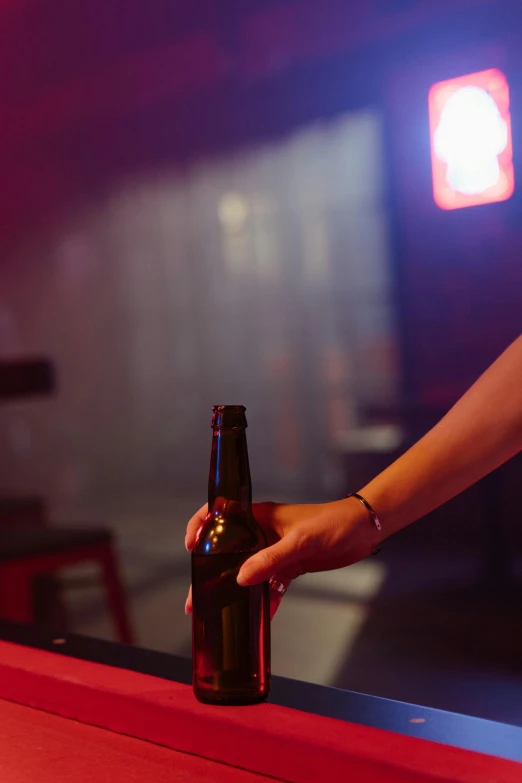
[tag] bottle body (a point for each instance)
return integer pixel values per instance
(231, 633)
(230, 623)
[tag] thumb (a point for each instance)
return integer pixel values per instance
(272, 560)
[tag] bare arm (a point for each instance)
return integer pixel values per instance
(482, 431)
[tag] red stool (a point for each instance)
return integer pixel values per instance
(30, 512)
(26, 555)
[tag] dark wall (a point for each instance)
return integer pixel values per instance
(91, 91)
(460, 272)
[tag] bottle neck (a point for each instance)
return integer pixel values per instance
(229, 476)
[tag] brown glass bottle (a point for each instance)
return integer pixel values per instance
(230, 623)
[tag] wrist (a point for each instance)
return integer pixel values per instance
(372, 518)
(368, 508)
(386, 506)
(360, 523)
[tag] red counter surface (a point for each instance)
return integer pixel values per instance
(64, 719)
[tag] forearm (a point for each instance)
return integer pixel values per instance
(482, 431)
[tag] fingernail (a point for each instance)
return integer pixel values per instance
(187, 547)
(241, 579)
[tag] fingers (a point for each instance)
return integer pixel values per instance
(188, 602)
(190, 537)
(282, 557)
(278, 588)
(194, 525)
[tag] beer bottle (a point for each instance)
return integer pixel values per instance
(230, 623)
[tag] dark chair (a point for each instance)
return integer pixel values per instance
(31, 550)
(29, 513)
(29, 554)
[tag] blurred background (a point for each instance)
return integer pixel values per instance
(234, 203)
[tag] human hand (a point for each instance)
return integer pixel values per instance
(303, 538)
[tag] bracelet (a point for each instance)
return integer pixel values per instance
(371, 512)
